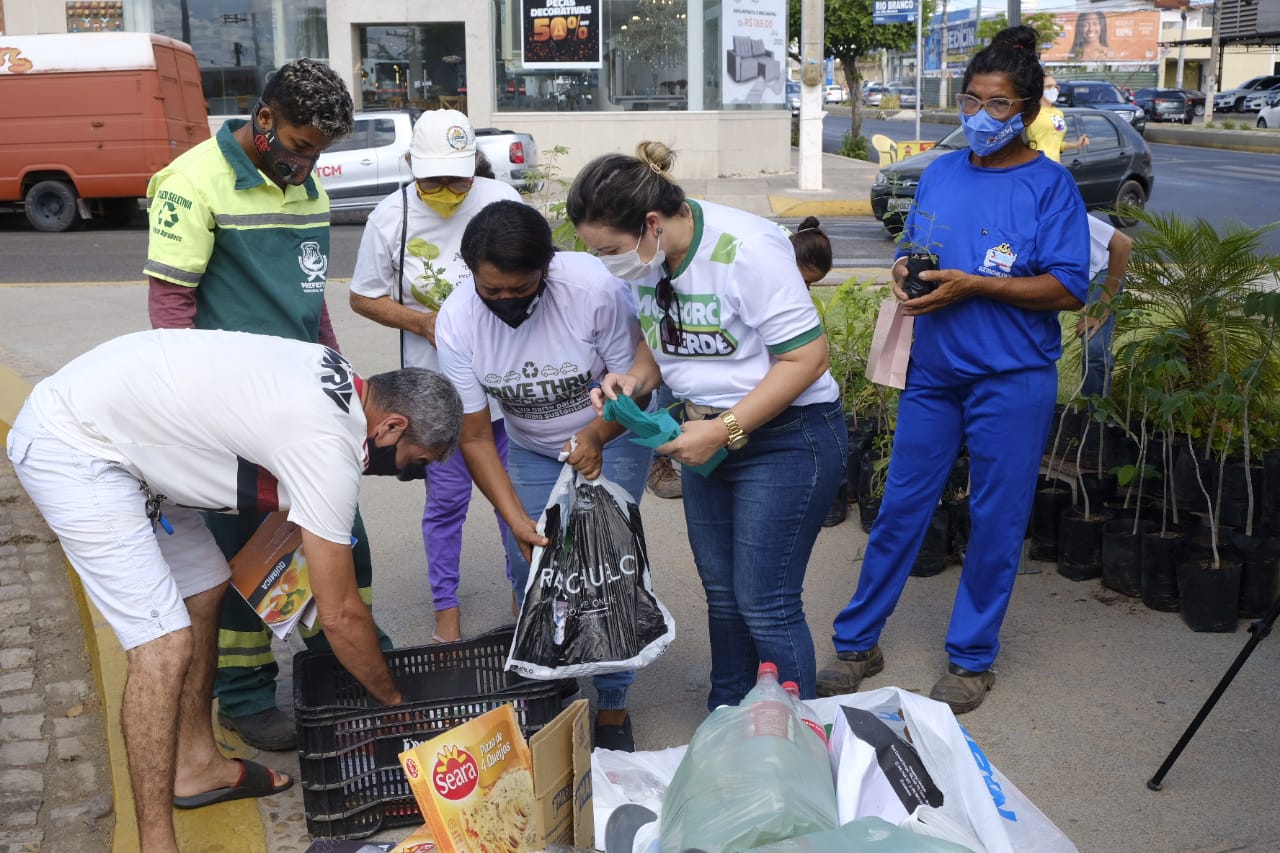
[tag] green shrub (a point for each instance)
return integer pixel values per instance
(855, 148)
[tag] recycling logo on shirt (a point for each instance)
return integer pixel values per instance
(530, 370)
(167, 217)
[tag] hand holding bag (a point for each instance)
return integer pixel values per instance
(890, 352)
(589, 606)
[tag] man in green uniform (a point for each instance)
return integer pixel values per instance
(240, 241)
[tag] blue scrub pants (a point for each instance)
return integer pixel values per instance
(1003, 418)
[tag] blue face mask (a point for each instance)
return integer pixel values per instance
(988, 135)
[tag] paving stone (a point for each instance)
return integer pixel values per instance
(67, 693)
(12, 577)
(21, 727)
(67, 726)
(12, 591)
(21, 781)
(21, 703)
(24, 752)
(19, 635)
(16, 607)
(25, 817)
(26, 840)
(16, 658)
(35, 549)
(11, 682)
(71, 748)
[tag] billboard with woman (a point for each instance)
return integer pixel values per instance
(1095, 36)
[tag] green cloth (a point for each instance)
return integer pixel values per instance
(653, 429)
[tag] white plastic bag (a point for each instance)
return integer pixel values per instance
(589, 606)
(982, 808)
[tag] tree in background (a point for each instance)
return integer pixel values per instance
(851, 35)
(1044, 23)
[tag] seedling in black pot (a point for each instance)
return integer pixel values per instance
(918, 262)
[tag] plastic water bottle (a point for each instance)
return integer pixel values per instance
(807, 714)
(752, 775)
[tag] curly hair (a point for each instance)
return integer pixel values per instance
(309, 93)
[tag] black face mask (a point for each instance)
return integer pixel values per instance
(382, 463)
(281, 162)
(516, 310)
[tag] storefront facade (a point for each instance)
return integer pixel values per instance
(591, 76)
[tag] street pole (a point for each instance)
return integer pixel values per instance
(1182, 46)
(811, 112)
(943, 76)
(1015, 13)
(919, 62)
(1211, 83)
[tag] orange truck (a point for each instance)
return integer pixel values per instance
(87, 118)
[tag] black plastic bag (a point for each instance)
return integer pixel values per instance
(589, 606)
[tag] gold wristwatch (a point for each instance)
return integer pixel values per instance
(737, 438)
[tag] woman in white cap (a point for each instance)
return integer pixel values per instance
(408, 262)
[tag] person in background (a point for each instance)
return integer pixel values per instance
(982, 370)
(532, 306)
(813, 250)
(118, 448)
(409, 260)
(1109, 251)
(1048, 132)
(239, 240)
(735, 335)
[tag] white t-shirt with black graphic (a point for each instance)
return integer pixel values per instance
(583, 326)
(222, 421)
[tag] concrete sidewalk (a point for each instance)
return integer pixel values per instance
(1093, 688)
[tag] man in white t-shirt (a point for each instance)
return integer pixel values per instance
(408, 263)
(1109, 251)
(123, 448)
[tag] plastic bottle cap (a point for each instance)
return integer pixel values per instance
(791, 687)
(768, 667)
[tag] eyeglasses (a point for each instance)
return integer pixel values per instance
(670, 329)
(995, 107)
(458, 185)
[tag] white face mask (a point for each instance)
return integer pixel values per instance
(629, 267)
(1051, 95)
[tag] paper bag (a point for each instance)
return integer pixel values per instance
(890, 346)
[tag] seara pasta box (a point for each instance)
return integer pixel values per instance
(474, 785)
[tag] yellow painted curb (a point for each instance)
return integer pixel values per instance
(234, 827)
(784, 205)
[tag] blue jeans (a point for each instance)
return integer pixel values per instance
(1098, 360)
(1003, 418)
(752, 525)
(533, 476)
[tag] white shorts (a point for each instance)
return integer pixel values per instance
(135, 575)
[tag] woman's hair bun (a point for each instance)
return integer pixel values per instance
(1014, 38)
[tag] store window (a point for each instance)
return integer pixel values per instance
(420, 65)
(238, 43)
(596, 55)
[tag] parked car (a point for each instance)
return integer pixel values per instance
(1164, 105)
(833, 94)
(1270, 118)
(359, 171)
(1262, 99)
(1232, 100)
(1196, 99)
(872, 94)
(793, 96)
(1113, 170)
(906, 96)
(1102, 96)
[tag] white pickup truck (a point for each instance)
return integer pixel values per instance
(361, 170)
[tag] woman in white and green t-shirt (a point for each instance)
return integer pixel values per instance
(735, 335)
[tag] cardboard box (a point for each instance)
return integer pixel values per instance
(562, 778)
(483, 771)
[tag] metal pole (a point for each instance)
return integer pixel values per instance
(920, 61)
(942, 62)
(1182, 47)
(811, 111)
(1211, 83)
(1015, 13)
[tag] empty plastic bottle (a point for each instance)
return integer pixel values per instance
(807, 715)
(752, 774)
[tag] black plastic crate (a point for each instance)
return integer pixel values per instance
(349, 747)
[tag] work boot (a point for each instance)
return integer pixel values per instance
(848, 670)
(962, 689)
(270, 730)
(664, 479)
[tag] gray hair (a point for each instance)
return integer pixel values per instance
(427, 399)
(311, 94)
